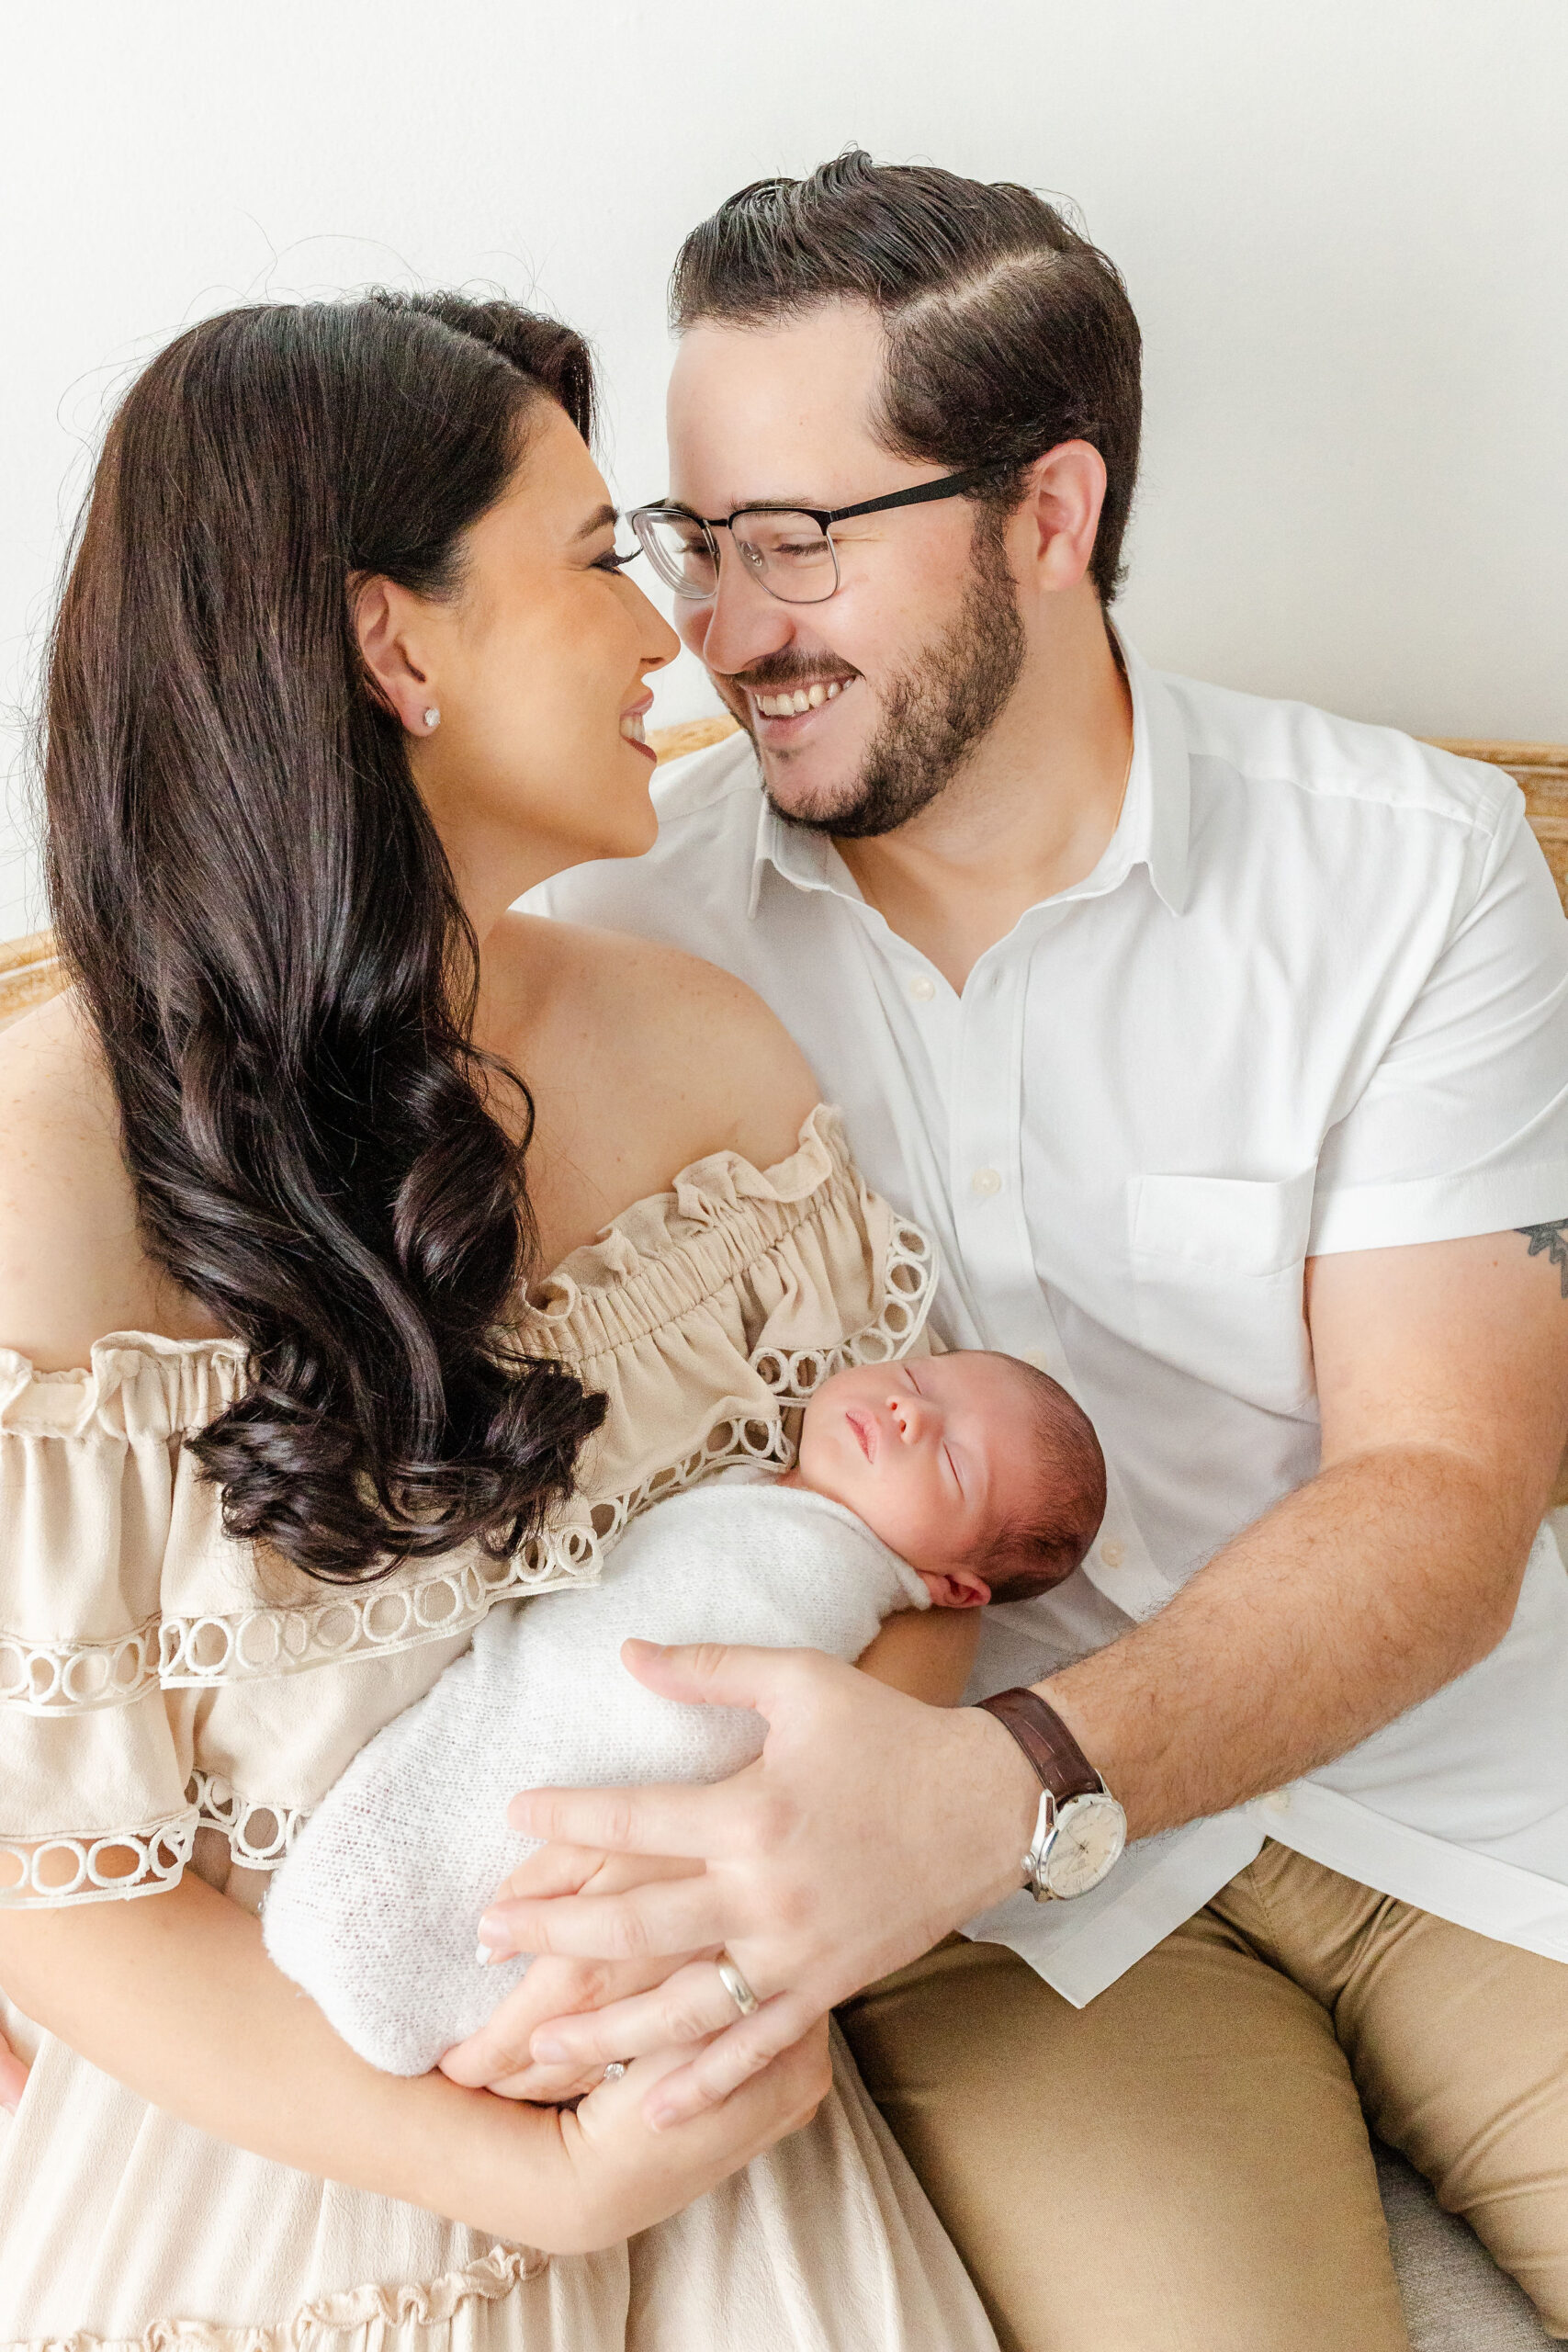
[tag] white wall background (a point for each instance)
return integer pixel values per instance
(1344, 224)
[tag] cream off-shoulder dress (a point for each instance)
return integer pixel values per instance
(167, 1689)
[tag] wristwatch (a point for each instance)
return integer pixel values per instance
(1080, 1829)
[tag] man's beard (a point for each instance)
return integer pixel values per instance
(938, 711)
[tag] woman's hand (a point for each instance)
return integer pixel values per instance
(624, 2176)
(176, 1996)
(498, 2057)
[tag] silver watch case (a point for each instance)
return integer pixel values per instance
(1074, 1845)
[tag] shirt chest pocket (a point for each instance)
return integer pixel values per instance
(1217, 1266)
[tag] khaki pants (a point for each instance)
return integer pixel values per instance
(1183, 2167)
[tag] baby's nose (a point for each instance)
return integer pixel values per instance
(912, 1415)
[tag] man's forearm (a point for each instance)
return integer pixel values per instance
(1357, 1596)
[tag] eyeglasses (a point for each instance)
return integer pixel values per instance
(789, 548)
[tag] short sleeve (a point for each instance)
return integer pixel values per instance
(93, 1802)
(1462, 1127)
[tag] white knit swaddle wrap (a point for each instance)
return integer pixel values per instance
(376, 1911)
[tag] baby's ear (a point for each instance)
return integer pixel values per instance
(956, 1588)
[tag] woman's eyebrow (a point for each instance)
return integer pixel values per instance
(597, 522)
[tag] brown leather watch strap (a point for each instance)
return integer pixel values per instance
(1054, 1754)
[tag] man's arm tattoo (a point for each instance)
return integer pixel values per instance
(1553, 1238)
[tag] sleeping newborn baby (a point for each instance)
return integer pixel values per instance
(947, 1482)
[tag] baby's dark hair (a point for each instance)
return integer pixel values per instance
(1037, 1551)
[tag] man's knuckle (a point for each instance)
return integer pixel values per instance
(766, 1824)
(795, 1906)
(751, 2060)
(684, 2020)
(591, 1983)
(617, 1821)
(631, 1936)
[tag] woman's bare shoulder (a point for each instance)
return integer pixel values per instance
(72, 1265)
(693, 1055)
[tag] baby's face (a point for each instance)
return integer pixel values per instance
(937, 1456)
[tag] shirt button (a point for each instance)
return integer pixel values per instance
(1114, 1553)
(923, 987)
(1277, 1801)
(986, 1181)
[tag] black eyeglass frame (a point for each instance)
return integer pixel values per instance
(922, 494)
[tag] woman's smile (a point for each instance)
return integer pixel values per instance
(633, 729)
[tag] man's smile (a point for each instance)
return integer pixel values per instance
(786, 705)
(781, 698)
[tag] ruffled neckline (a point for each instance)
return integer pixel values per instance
(700, 1197)
(139, 1384)
(720, 1198)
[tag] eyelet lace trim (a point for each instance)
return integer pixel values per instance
(31, 1873)
(728, 1443)
(420, 2304)
(69, 1678)
(252, 1644)
(259, 1835)
(908, 1286)
(258, 1642)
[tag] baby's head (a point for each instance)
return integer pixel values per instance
(977, 1469)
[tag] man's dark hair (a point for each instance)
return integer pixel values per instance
(1007, 331)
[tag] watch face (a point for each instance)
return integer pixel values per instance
(1091, 1833)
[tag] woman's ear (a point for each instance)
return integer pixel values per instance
(385, 618)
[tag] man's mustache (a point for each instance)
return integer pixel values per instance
(783, 673)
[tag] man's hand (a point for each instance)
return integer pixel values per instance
(868, 1828)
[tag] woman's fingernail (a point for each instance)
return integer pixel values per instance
(484, 1955)
(548, 2051)
(660, 2119)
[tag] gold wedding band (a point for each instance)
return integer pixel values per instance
(735, 1985)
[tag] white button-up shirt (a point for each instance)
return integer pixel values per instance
(1313, 998)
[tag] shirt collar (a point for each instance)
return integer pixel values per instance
(1154, 828)
(1157, 815)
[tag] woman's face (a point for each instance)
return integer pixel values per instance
(537, 666)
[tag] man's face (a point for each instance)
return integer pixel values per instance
(908, 666)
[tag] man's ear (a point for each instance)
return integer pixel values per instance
(1062, 506)
(384, 616)
(956, 1588)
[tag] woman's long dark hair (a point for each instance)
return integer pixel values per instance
(256, 907)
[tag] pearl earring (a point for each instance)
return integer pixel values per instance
(432, 718)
